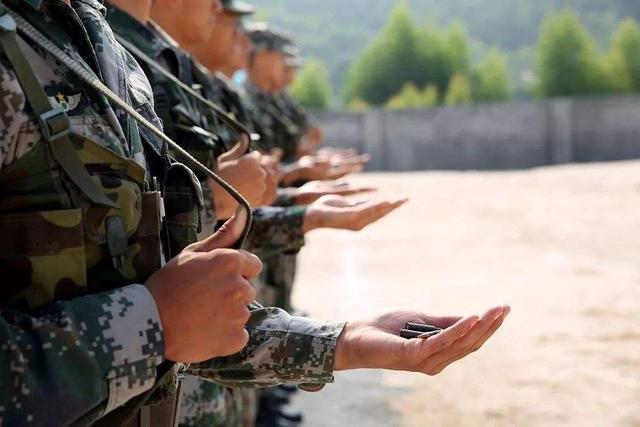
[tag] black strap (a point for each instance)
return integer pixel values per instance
(53, 122)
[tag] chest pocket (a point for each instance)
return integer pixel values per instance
(57, 245)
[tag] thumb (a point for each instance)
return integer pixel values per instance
(237, 151)
(278, 153)
(227, 235)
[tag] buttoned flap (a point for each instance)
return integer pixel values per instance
(121, 179)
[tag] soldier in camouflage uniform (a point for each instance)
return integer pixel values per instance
(276, 229)
(80, 338)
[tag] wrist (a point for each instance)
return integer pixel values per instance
(344, 351)
(313, 219)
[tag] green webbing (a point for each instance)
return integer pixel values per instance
(94, 82)
(54, 123)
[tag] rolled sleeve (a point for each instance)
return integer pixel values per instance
(282, 349)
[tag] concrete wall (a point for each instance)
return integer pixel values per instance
(492, 136)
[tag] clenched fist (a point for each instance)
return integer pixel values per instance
(202, 296)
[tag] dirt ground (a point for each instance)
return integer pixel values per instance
(561, 245)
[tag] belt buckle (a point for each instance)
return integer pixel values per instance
(51, 129)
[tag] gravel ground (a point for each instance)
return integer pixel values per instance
(561, 245)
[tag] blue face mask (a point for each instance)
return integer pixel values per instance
(240, 77)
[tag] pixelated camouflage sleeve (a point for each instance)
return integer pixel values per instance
(74, 356)
(276, 230)
(282, 349)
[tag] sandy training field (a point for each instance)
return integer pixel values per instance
(561, 245)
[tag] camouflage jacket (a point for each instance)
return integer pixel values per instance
(276, 128)
(293, 110)
(276, 229)
(78, 354)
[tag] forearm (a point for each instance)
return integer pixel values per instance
(293, 173)
(282, 349)
(75, 356)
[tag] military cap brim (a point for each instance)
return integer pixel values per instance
(238, 7)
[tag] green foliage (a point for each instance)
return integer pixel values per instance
(491, 78)
(457, 42)
(624, 57)
(411, 97)
(311, 87)
(337, 31)
(358, 106)
(459, 92)
(568, 62)
(442, 53)
(389, 61)
(404, 54)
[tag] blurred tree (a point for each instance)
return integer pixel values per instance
(568, 61)
(358, 106)
(441, 54)
(411, 97)
(491, 78)
(625, 53)
(388, 63)
(456, 42)
(311, 87)
(616, 74)
(459, 91)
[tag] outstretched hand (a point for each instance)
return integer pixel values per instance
(376, 343)
(341, 213)
(313, 190)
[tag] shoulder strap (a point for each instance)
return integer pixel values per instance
(219, 112)
(53, 122)
(96, 84)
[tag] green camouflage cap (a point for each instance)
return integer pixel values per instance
(238, 7)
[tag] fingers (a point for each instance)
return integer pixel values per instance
(478, 344)
(431, 346)
(371, 212)
(277, 153)
(226, 236)
(465, 344)
(252, 266)
(350, 191)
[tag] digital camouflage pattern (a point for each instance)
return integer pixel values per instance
(275, 230)
(206, 404)
(282, 349)
(53, 240)
(91, 354)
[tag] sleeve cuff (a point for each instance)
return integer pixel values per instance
(320, 364)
